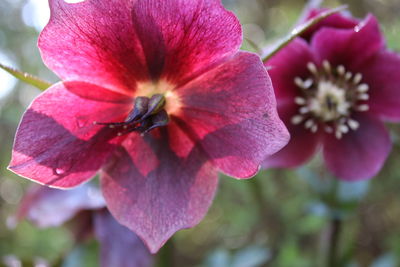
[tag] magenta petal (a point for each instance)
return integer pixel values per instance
(302, 145)
(175, 193)
(298, 54)
(181, 38)
(57, 143)
(382, 75)
(119, 246)
(94, 41)
(359, 154)
(231, 111)
(48, 207)
(349, 47)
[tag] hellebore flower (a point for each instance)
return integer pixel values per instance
(84, 208)
(155, 94)
(334, 92)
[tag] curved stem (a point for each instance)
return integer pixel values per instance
(299, 31)
(334, 240)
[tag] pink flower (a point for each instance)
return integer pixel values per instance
(157, 96)
(334, 92)
(84, 208)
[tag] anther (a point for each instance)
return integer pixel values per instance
(312, 68)
(363, 97)
(300, 101)
(327, 66)
(341, 70)
(297, 119)
(348, 76)
(362, 108)
(354, 125)
(362, 88)
(357, 78)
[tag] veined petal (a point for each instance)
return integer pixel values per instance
(382, 75)
(181, 38)
(174, 193)
(349, 47)
(302, 145)
(94, 41)
(120, 247)
(231, 111)
(48, 207)
(57, 143)
(359, 154)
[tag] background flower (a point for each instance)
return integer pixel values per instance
(84, 209)
(340, 86)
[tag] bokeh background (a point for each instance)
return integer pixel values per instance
(279, 218)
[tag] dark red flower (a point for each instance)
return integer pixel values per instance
(157, 95)
(84, 208)
(335, 93)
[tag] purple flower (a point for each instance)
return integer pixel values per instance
(335, 87)
(84, 208)
(157, 96)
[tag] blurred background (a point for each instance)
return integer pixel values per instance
(279, 218)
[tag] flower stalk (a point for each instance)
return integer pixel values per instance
(299, 30)
(27, 78)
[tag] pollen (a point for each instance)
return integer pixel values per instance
(329, 98)
(172, 100)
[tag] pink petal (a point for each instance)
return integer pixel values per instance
(298, 54)
(359, 154)
(231, 111)
(382, 75)
(57, 143)
(181, 38)
(119, 246)
(338, 20)
(349, 47)
(94, 41)
(174, 195)
(48, 207)
(302, 145)
(117, 43)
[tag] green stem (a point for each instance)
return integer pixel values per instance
(165, 257)
(299, 30)
(336, 225)
(26, 77)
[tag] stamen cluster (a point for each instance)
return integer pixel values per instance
(147, 114)
(329, 98)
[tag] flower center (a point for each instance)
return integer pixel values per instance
(147, 114)
(328, 99)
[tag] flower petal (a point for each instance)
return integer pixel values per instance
(382, 75)
(231, 111)
(359, 154)
(298, 53)
(350, 48)
(94, 41)
(48, 207)
(183, 37)
(119, 246)
(302, 145)
(57, 143)
(175, 194)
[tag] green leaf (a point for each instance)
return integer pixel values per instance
(27, 78)
(299, 30)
